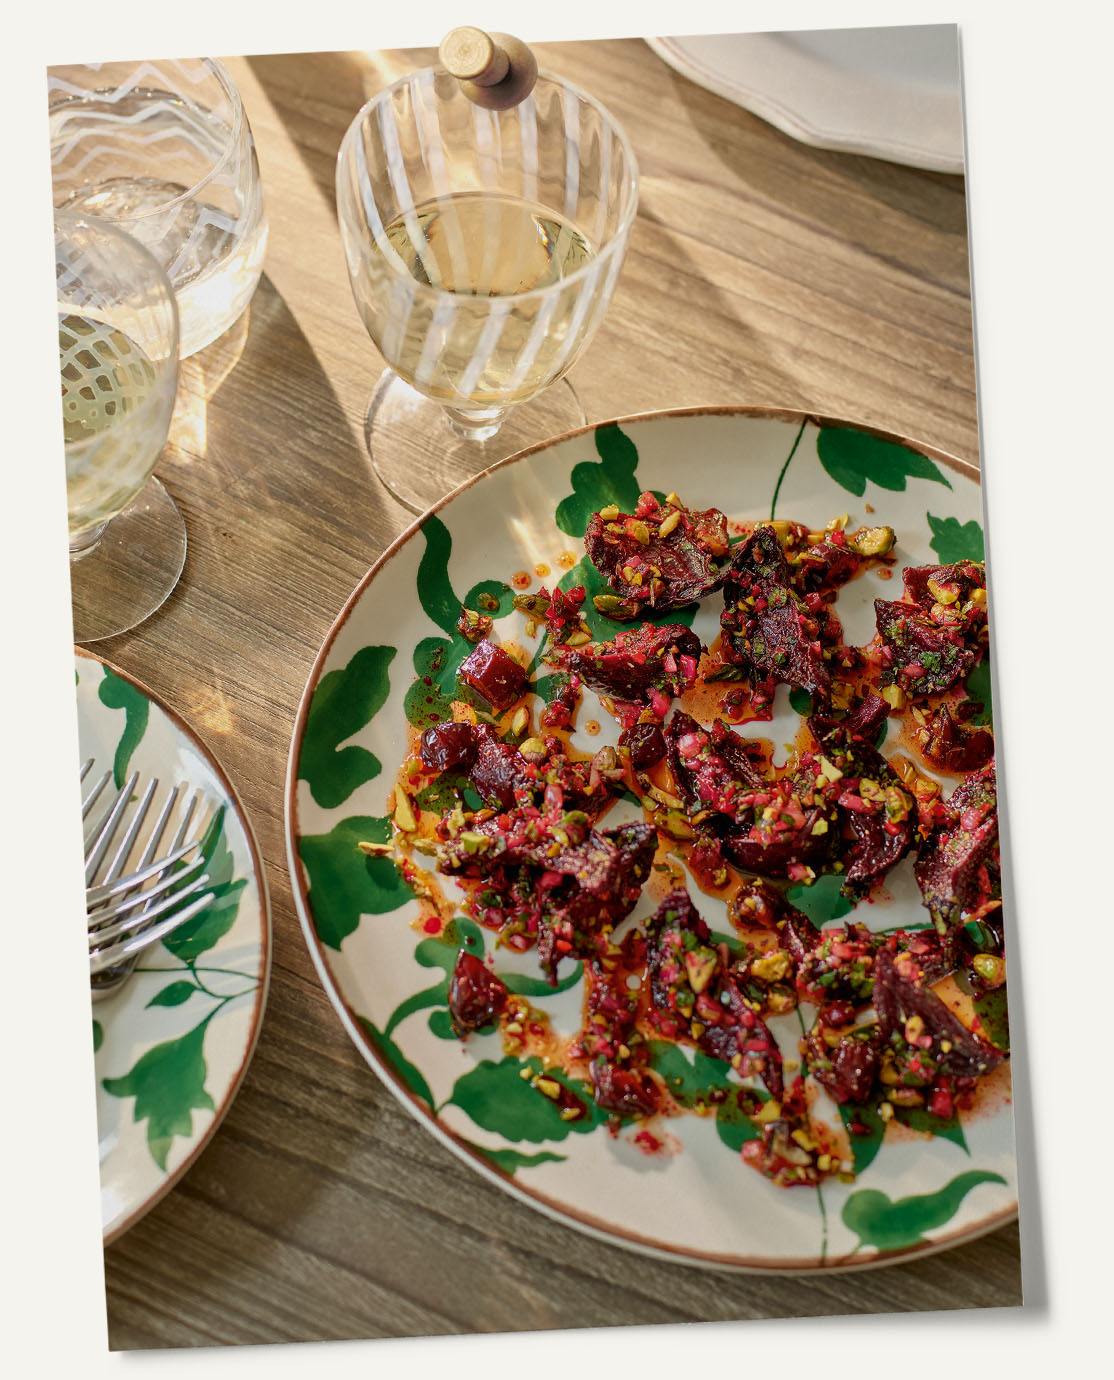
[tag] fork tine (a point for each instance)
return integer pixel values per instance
(123, 894)
(91, 799)
(112, 956)
(127, 843)
(103, 838)
(85, 768)
(98, 939)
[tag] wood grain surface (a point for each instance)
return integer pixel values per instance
(759, 271)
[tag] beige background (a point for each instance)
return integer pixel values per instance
(760, 271)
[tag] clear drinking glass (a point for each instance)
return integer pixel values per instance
(483, 248)
(118, 358)
(164, 150)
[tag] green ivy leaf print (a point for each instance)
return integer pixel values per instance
(524, 986)
(992, 1010)
(201, 933)
(822, 901)
(954, 541)
(436, 659)
(800, 701)
(853, 457)
(174, 994)
(691, 1082)
(864, 1146)
(510, 1161)
(596, 484)
(116, 693)
(392, 1056)
(978, 689)
(499, 1099)
(345, 701)
(98, 1035)
(168, 1084)
(346, 883)
(877, 1221)
(917, 1119)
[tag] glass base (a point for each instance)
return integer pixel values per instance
(421, 451)
(129, 571)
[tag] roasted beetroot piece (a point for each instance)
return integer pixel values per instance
(611, 1008)
(561, 709)
(845, 1064)
(694, 994)
(646, 665)
(825, 565)
(449, 746)
(879, 815)
(663, 556)
(476, 996)
(859, 727)
(957, 591)
(711, 768)
(958, 869)
(526, 834)
(590, 889)
(473, 626)
(645, 743)
(734, 1031)
(929, 1039)
(919, 656)
(948, 743)
(493, 675)
(766, 627)
(757, 905)
(498, 770)
(838, 965)
(628, 1092)
(786, 1151)
(792, 825)
(562, 617)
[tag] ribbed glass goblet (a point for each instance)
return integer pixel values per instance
(483, 248)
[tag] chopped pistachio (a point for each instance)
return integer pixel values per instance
(533, 749)
(894, 696)
(609, 513)
(376, 850)
(404, 812)
(771, 1110)
(670, 523)
(872, 541)
(771, 966)
(549, 1086)
(637, 529)
(579, 638)
(521, 720)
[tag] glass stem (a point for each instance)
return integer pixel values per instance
(81, 543)
(477, 425)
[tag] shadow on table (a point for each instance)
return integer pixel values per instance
(340, 84)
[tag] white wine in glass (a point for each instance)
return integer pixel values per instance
(118, 366)
(483, 247)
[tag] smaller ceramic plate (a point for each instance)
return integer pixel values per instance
(891, 93)
(173, 1044)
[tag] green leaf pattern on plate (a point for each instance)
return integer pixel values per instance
(345, 883)
(344, 702)
(116, 693)
(878, 1221)
(852, 458)
(955, 541)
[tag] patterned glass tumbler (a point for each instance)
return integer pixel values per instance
(164, 151)
(483, 248)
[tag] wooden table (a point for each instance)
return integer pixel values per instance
(759, 271)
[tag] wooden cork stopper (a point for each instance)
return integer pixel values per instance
(495, 71)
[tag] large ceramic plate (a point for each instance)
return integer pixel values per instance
(891, 93)
(385, 661)
(173, 1044)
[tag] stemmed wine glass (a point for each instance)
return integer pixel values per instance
(483, 248)
(118, 357)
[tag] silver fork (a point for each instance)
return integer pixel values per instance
(127, 912)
